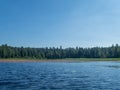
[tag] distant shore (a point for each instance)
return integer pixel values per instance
(60, 60)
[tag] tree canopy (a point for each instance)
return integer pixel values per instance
(59, 53)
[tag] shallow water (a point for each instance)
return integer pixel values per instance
(62, 76)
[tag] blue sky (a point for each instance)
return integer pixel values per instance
(70, 23)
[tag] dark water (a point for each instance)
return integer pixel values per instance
(60, 76)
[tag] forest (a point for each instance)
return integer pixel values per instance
(59, 53)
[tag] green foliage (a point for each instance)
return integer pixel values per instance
(59, 53)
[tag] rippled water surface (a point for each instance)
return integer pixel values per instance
(60, 76)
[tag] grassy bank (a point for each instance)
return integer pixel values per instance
(57, 60)
(94, 59)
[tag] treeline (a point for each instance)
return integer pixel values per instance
(58, 53)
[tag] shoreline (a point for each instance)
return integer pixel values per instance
(61, 60)
(4, 60)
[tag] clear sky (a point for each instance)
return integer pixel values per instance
(70, 23)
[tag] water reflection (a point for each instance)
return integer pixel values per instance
(113, 66)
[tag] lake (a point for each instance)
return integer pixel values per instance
(60, 76)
